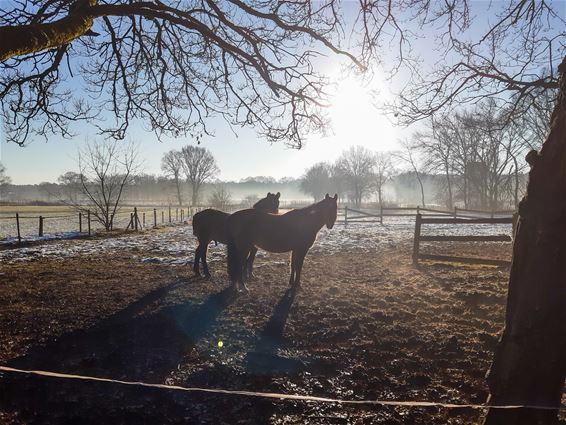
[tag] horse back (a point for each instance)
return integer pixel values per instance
(210, 224)
(271, 232)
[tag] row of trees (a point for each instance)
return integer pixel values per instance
(197, 165)
(478, 152)
(107, 169)
(355, 175)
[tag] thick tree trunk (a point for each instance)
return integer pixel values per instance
(529, 366)
(24, 39)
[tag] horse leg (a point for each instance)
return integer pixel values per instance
(245, 255)
(196, 269)
(250, 264)
(203, 257)
(299, 259)
(293, 262)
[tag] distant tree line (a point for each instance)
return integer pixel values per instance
(475, 158)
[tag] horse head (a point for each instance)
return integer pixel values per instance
(269, 204)
(330, 210)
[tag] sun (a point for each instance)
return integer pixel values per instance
(355, 118)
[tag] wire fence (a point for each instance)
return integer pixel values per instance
(21, 227)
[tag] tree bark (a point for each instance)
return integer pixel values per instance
(529, 365)
(24, 39)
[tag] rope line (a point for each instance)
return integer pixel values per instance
(277, 396)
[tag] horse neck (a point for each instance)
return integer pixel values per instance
(315, 217)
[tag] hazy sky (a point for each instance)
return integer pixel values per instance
(355, 120)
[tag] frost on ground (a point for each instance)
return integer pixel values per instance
(365, 324)
(175, 245)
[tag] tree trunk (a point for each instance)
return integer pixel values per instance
(178, 184)
(529, 365)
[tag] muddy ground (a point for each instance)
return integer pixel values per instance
(365, 324)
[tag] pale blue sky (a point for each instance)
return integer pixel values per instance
(355, 121)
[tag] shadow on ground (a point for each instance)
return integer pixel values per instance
(129, 345)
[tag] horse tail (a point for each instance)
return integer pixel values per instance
(234, 265)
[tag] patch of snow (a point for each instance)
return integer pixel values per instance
(176, 245)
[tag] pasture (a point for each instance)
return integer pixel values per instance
(365, 324)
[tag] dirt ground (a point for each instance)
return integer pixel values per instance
(365, 324)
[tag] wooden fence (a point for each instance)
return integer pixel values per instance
(351, 215)
(418, 238)
(84, 221)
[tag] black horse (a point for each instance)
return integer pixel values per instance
(293, 231)
(210, 225)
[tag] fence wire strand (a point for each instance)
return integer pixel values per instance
(279, 396)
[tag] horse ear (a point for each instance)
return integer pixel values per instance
(277, 195)
(326, 197)
(268, 194)
(335, 196)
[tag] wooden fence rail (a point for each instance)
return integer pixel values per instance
(420, 220)
(352, 215)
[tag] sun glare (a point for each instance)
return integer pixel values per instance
(355, 117)
(355, 120)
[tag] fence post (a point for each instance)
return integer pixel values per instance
(18, 226)
(80, 222)
(176, 214)
(162, 217)
(182, 212)
(143, 218)
(346, 215)
(169, 213)
(88, 219)
(380, 214)
(155, 217)
(417, 239)
(136, 218)
(131, 223)
(40, 226)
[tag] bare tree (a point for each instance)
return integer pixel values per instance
(199, 167)
(5, 180)
(408, 155)
(250, 200)
(173, 65)
(383, 171)
(70, 187)
(172, 166)
(220, 198)
(317, 180)
(355, 168)
(105, 170)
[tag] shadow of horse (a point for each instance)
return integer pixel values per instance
(264, 360)
(131, 345)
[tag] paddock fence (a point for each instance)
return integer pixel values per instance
(25, 227)
(418, 238)
(352, 215)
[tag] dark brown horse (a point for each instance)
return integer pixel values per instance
(209, 225)
(293, 231)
